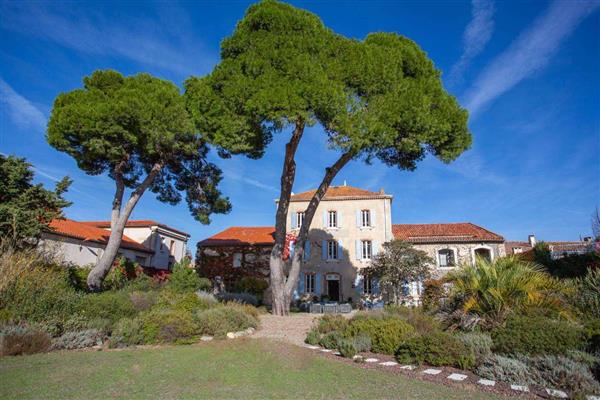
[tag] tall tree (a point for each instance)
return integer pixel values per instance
(283, 70)
(398, 264)
(138, 131)
(27, 209)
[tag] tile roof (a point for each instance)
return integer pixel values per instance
(439, 233)
(341, 193)
(242, 235)
(85, 232)
(555, 247)
(139, 223)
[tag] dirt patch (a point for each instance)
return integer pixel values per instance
(292, 329)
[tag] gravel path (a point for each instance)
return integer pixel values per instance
(292, 329)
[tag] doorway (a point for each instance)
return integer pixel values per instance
(333, 290)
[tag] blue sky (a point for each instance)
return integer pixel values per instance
(528, 71)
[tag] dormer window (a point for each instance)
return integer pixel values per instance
(332, 219)
(365, 218)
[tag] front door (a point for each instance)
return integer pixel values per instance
(333, 289)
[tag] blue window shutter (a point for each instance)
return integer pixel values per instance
(375, 248)
(358, 250)
(307, 250)
(358, 218)
(340, 249)
(405, 289)
(324, 250)
(358, 284)
(317, 283)
(372, 212)
(375, 286)
(325, 224)
(294, 220)
(339, 219)
(301, 281)
(292, 249)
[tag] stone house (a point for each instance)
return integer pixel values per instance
(557, 249)
(148, 243)
(348, 229)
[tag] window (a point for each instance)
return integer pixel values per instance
(332, 250)
(171, 247)
(446, 258)
(299, 219)
(365, 218)
(140, 260)
(517, 250)
(367, 285)
(367, 249)
(309, 283)
(237, 260)
(332, 219)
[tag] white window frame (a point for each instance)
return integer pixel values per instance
(454, 256)
(332, 219)
(482, 246)
(237, 260)
(310, 282)
(299, 219)
(367, 285)
(332, 250)
(366, 250)
(365, 218)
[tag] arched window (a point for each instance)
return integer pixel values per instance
(446, 258)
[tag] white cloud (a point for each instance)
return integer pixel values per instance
(529, 53)
(236, 176)
(477, 34)
(152, 42)
(20, 110)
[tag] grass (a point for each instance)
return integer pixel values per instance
(242, 369)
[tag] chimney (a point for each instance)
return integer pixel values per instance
(381, 191)
(345, 184)
(532, 240)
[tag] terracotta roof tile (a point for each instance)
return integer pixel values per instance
(438, 233)
(242, 235)
(79, 230)
(341, 193)
(135, 224)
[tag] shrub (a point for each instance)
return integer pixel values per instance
(78, 340)
(123, 271)
(331, 340)
(17, 340)
(422, 322)
(433, 294)
(386, 333)
(332, 322)
(110, 305)
(347, 348)
(252, 285)
(592, 335)
(78, 277)
(561, 373)
(313, 337)
(505, 369)
(536, 335)
(479, 344)
(218, 321)
(437, 349)
(588, 292)
(207, 298)
(168, 326)
(362, 342)
(80, 323)
(185, 279)
(143, 283)
(244, 298)
(142, 301)
(246, 308)
(128, 331)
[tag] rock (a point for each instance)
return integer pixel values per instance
(432, 371)
(557, 393)
(206, 338)
(250, 331)
(231, 335)
(240, 334)
(486, 382)
(457, 377)
(519, 388)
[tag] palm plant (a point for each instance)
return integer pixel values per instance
(491, 290)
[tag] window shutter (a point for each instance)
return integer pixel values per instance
(324, 250)
(339, 219)
(294, 220)
(358, 284)
(325, 224)
(405, 289)
(307, 250)
(358, 250)
(340, 248)
(375, 286)
(301, 282)
(292, 249)
(358, 218)
(375, 248)
(372, 212)
(318, 284)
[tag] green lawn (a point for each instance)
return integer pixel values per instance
(233, 369)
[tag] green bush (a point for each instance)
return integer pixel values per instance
(79, 322)
(168, 326)
(330, 340)
(252, 285)
(437, 349)
(120, 274)
(347, 348)
(422, 322)
(592, 335)
(332, 322)
(505, 369)
(128, 331)
(479, 344)
(78, 277)
(218, 321)
(561, 373)
(536, 335)
(143, 301)
(17, 340)
(242, 298)
(312, 337)
(386, 333)
(78, 340)
(110, 305)
(185, 279)
(362, 342)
